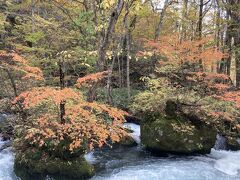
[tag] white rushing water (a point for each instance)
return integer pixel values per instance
(90, 157)
(219, 165)
(136, 131)
(6, 163)
(136, 164)
(227, 161)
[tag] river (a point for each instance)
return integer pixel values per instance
(136, 164)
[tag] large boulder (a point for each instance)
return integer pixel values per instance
(176, 134)
(33, 163)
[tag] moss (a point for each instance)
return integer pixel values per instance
(35, 162)
(176, 135)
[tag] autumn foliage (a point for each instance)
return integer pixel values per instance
(186, 74)
(13, 61)
(91, 79)
(199, 52)
(87, 125)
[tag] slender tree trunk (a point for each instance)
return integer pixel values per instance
(101, 62)
(160, 23)
(12, 82)
(183, 27)
(62, 86)
(32, 14)
(233, 65)
(128, 66)
(109, 82)
(119, 72)
(127, 49)
(217, 35)
(200, 20)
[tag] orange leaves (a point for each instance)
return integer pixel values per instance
(77, 132)
(116, 114)
(187, 51)
(91, 78)
(231, 96)
(222, 115)
(87, 124)
(15, 62)
(37, 95)
(215, 82)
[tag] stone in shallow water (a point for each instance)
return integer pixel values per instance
(176, 134)
(36, 163)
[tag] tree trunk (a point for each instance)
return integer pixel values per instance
(101, 62)
(128, 66)
(232, 8)
(217, 35)
(160, 24)
(32, 14)
(127, 49)
(12, 82)
(62, 86)
(235, 33)
(183, 29)
(200, 20)
(109, 82)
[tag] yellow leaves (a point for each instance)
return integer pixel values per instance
(106, 4)
(137, 6)
(99, 28)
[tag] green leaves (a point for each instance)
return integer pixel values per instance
(34, 37)
(85, 21)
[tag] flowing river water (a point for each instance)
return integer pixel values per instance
(136, 164)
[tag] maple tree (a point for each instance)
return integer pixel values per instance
(11, 63)
(85, 123)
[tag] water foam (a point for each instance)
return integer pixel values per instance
(227, 161)
(6, 163)
(90, 157)
(136, 131)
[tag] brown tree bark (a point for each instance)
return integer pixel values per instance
(101, 62)
(62, 86)
(160, 23)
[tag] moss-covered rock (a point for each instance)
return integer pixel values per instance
(164, 134)
(33, 161)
